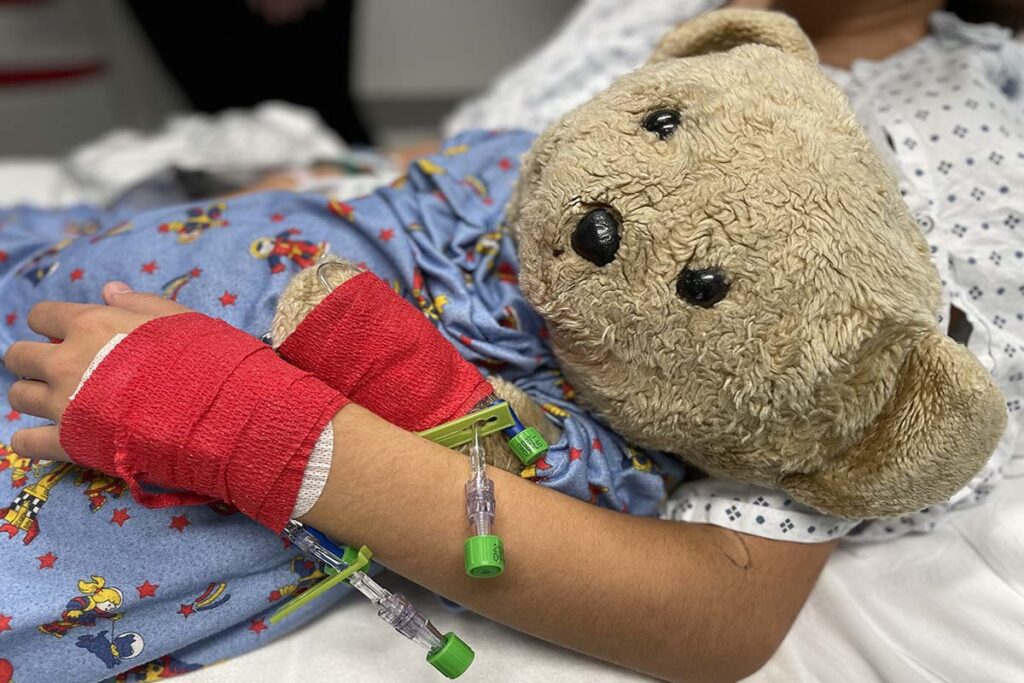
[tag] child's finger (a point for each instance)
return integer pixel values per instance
(33, 398)
(120, 295)
(52, 318)
(39, 443)
(28, 359)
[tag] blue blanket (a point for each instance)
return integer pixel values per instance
(96, 585)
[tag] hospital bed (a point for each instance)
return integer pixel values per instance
(947, 606)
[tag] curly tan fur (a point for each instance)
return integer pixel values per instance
(822, 371)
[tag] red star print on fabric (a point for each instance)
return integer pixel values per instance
(274, 596)
(195, 272)
(386, 234)
(13, 416)
(11, 318)
(542, 464)
(120, 516)
(3, 256)
(505, 164)
(179, 522)
(186, 611)
(77, 274)
(149, 268)
(574, 454)
(228, 299)
(596, 445)
(5, 623)
(47, 561)
(147, 589)
(470, 256)
(258, 626)
(277, 217)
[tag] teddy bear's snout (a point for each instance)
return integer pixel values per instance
(596, 236)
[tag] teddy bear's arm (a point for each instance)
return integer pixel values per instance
(310, 287)
(304, 292)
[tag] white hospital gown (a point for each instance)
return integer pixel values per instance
(947, 113)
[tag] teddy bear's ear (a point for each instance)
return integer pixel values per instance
(725, 29)
(937, 430)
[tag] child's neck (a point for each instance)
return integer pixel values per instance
(846, 31)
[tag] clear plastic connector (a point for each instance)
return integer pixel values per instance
(480, 504)
(393, 608)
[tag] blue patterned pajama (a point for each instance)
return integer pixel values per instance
(96, 586)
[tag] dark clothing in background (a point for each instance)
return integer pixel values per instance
(224, 55)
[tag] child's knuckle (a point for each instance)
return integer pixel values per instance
(91, 320)
(66, 366)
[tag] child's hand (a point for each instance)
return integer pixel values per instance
(52, 372)
(175, 408)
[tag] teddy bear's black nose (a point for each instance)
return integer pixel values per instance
(702, 287)
(596, 237)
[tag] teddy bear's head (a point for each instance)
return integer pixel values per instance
(729, 273)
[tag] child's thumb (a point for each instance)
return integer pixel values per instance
(122, 296)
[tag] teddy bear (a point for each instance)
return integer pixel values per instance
(728, 274)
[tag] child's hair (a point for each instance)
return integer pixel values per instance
(97, 593)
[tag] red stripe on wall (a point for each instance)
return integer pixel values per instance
(24, 76)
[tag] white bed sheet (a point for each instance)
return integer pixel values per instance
(947, 606)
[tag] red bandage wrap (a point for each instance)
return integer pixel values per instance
(372, 345)
(188, 402)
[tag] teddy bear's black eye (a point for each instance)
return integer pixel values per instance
(663, 122)
(702, 287)
(596, 237)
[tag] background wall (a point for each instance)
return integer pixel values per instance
(413, 59)
(444, 48)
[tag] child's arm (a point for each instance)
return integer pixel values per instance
(676, 600)
(672, 599)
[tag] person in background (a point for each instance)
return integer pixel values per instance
(294, 50)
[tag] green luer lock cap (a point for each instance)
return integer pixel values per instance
(485, 556)
(453, 657)
(528, 445)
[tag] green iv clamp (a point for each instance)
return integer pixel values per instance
(447, 653)
(484, 552)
